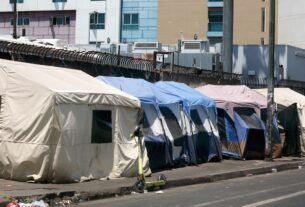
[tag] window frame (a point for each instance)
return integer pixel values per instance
(59, 1)
(64, 20)
(22, 20)
(96, 25)
(18, 1)
(263, 20)
(131, 25)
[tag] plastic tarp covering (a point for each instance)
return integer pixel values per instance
(201, 112)
(228, 98)
(228, 136)
(47, 125)
(288, 118)
(285, 97)
(174, 119)
(251, 133)
(156, 141)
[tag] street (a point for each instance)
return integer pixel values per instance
(276, 189)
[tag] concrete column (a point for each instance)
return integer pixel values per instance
(228, 13)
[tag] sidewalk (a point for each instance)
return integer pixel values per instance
(208, 172)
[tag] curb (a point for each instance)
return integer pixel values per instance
(127, 190)
(232, 175)
(197, 180)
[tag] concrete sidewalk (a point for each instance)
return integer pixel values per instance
(208, 172)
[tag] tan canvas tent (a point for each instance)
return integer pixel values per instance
(61, 125)
(285, 97)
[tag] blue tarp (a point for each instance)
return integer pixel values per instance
(199, 109)
(139, 88)
(158, 146)
(150, 95)
(184, 93)
(228, 135)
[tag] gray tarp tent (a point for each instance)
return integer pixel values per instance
(61, 125)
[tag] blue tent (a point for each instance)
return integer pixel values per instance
(250, 132)
(201, 111)
(242, 131)
(228, 134)
(164, 123)
(157, 143)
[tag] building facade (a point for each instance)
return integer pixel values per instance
(252, 61)
(83, 22)
(139, 21)
(183, 19)
(291, 21)
(79, 22)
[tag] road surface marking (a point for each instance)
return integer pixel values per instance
(245, 195)
(275, 199)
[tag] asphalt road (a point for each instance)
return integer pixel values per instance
(272, 190)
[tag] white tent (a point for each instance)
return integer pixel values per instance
(61, 125)
(285, 97)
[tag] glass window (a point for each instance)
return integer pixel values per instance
(67, 20)
(101, 127)
(263, 19)
(97, 21)
(101, 19)
(18, 1)
(21, 21)
(131, 21)
(215, 20)
(92, 18)
(135, 19)
(60, 20)
(127, 18)
(26, 21)
(215, 16)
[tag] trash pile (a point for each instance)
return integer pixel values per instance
(27, 202)
(33, 204)
(16, 203)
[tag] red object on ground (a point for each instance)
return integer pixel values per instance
(12, 204)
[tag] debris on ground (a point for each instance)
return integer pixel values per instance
(29, 202)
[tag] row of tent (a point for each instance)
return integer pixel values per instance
(61, 125)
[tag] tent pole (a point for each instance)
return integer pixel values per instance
(270, 96)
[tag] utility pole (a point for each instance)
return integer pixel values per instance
(15, 20)
(228, 15)
(270, 96)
